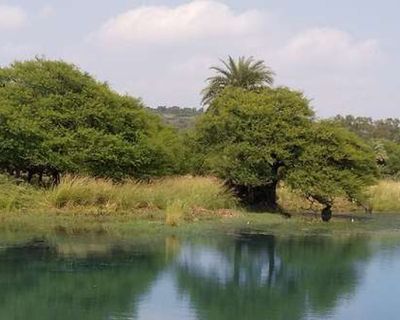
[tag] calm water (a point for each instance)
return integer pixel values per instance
(242, 277)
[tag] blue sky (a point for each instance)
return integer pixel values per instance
(342, 54)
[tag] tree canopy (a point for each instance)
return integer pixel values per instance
(334, 163)
(55, 118)
(256, 139)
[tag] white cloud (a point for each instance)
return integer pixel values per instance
(163, 54)
(11, 17)
(195, 20)
(331, 48)
(47, 11)
(334, 68)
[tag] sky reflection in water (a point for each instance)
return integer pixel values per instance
(244, 277)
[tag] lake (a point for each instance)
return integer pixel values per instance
(228, 277)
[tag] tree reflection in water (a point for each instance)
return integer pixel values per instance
(37, 282)
(248, 277)
(258, 277)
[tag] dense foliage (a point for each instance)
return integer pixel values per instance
(54, 118)
(256, 139)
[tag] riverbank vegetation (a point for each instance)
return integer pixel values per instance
(91, 196)
(71, 146)
(93, 205)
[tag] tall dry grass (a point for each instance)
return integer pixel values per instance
(385, 196)
(382, 197)
(191, 192)
(175, 213)
(16, 195)
(173, 199)
(293, 202)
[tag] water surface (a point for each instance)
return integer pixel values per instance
(237, 277)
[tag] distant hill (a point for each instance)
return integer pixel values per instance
(181, 118)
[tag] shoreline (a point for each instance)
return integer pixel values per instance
(29, 225)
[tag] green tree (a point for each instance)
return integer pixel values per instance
(256, 139)
(55, 118)
(245, 73)
(335, 163)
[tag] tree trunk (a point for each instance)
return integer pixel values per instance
(56, 177)
(261, 197)
(271, 260)
(30, 176)
(326, 213)
(265, 197)
(40, 179)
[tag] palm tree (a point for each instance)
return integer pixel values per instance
(244, 73)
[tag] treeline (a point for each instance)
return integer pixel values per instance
(370, 129)
(180, 118)
(55, 119)
(384, 137)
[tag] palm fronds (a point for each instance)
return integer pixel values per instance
(245, 73)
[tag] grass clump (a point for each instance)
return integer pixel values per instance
(16, 196)
(204, 192)
(385, 196)
(175, 213)
(195, 192)
(81, 191)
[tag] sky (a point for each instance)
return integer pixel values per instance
(344, 55)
